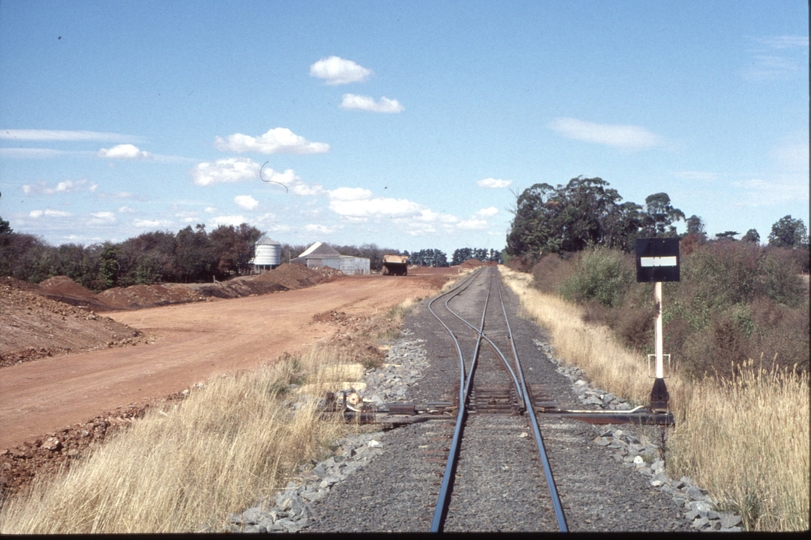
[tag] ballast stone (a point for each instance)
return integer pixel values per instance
(631, 451)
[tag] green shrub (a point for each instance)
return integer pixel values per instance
(722, 273)
(780, 279)
(600, 274)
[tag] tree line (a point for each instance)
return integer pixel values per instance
(193, 254)
(587, 212)
(190, 255)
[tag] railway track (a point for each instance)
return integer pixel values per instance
(496, 407)
(496, 477)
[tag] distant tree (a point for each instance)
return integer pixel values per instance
(621, 226)
(460, 255)
(660, 216)
(5, 227)
(108, 265)
(726, 235)
(788, 232)
(568, 218)
(193, 255)
(429, 257)
(696, 228)
(751, 236)
(233, 248)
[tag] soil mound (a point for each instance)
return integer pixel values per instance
(65, 285)
(295, 276)
(143, 296)
(14, 283)
(472, 263)
(239, 287)
(32, 326)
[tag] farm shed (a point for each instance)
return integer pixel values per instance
(320, 254)
(267, 255)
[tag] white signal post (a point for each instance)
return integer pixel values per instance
(658, 261)
(657, 295)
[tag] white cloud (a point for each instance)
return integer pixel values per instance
(349, 194)
(224, 170)
(428, 215)
(246, 201)
(276, 141)
(61, 135)
(777, 58)
(493, 183)
(48, 213)
(757, 192)
(102, 218)
(621, 136)
(119, 195)
(487, 212)
(35, 153)
(767, 67)
(66, 186)
(367, 103)
(150, 223)
(125, 210)
(335, 70)
(228, 220)
(376, 208)
(267, 218)
(210, 209)
(188, 216)
(785, 42)
(472, 224)
(318, 229)
(124, 151)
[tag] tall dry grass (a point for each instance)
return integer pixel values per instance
(746, 440)
(590, 347)
(186, 468)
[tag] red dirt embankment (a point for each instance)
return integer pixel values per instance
(37, 321)
(53, 408)
(34, 326)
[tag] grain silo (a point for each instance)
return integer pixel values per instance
(268, 255)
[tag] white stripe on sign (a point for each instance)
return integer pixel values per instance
(647, 262)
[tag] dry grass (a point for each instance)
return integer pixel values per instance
(592, 348)
(746, 440)
(186, 468)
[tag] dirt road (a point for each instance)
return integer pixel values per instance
(193, 342)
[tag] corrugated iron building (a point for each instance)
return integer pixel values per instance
(320, 254)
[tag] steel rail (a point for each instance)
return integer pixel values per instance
(530, 408)
(456, 290)
(441, 508)
(518, 388)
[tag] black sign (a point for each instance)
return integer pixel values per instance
(657, 259)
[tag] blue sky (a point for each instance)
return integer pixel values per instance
(406, 124)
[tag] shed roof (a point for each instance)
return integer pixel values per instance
(319, 250)
(267, 241)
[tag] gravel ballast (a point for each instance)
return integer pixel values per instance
(610, 478)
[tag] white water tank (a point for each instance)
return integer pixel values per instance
(268, 254)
